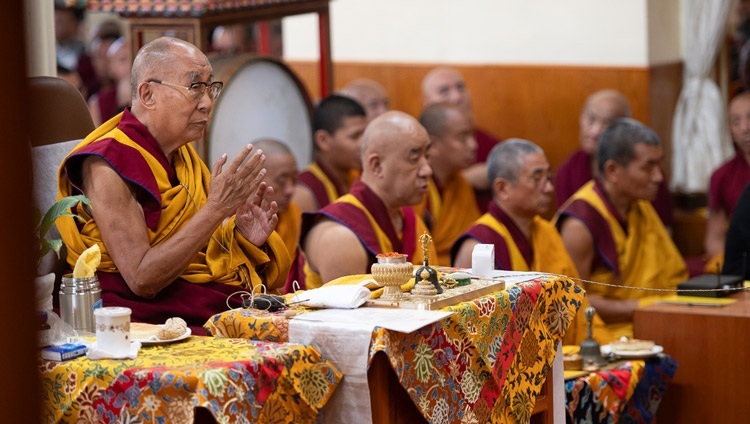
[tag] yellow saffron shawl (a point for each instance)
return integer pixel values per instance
(451, 213)
(227, 258)
(646, 255)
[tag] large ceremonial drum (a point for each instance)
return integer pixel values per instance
(262, 98)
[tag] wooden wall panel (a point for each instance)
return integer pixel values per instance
(539, 103)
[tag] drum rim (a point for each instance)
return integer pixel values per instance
(250, 56)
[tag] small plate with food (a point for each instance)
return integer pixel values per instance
(175, 329)
(632, 348)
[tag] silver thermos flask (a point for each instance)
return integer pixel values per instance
(78, 299)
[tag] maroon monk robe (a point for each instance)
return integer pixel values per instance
(486, 235)
(317, 187)
(576, 171)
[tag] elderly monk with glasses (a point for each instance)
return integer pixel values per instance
(176, 238)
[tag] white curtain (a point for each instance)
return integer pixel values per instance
(700, 139)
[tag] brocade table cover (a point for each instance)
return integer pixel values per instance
(238, 381)
(629, 393)
(485, 363)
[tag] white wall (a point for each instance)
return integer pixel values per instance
(567, 32)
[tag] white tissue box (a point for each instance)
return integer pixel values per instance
(483, 260)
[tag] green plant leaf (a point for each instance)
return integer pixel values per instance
(60, 208)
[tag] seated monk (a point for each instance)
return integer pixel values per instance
(599, 110)
(727, 183)
(445, 84)
(450, 206)
(176, 239)
(338, 124)
(281, 174)
(376, 216)
(522, 190)
(612, 231)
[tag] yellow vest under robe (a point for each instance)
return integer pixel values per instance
(550, 256)
(647, 256)
(453, 211)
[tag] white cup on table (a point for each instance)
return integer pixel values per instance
(113, 329)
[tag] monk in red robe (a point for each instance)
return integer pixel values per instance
(599, 110)
(612, 231)
(523, 240)
(376, 216)
(450, 206)
(176, 239)
(445, 84)
(338, 124)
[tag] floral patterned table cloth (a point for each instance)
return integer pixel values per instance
(629, 393)
(485, 363)
(238, 380)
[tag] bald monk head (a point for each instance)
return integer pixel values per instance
(444, 84)
(368, 93)
(395, 169)
(599, 110)
(281, 167)
(394, 159)
(173, 91)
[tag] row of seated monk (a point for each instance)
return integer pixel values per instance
(178, 238)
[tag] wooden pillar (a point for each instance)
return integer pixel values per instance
(326, 62)
(19, 394)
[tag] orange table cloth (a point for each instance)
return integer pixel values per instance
(485, 363)
(237, 380)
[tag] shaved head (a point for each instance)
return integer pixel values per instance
(357, 87)
(154, 58)
(394, 159)
(368, 93)
(281, 170)
(444, 84)
(610, 98)
(271, 146)
(388, 130)
(599, 110)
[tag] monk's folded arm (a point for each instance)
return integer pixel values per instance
(146, 269)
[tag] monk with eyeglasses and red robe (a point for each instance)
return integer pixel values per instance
(176, 238)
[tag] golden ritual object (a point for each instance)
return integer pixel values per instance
(432, 276)
(424, 287)
(392, 271)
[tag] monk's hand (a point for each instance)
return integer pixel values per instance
(256, 219)
(233, 185)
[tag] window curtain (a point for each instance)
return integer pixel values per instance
(700, 138)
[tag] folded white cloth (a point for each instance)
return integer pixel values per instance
(340, 297)
(96, 352)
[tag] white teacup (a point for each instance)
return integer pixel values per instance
(113, 329)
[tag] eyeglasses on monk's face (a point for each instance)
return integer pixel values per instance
(196, 89)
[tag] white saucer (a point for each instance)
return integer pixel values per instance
(632, 354)
(155, 341)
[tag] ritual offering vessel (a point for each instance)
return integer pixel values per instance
(392, 271)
